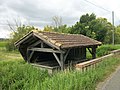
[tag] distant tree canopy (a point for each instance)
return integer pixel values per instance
(57, 26)
(96, 28)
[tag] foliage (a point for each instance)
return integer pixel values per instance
(106, 49)
(48, 28)
(102, 28)
(117, 35)
(16, 35)
(60, 29)
(96, 28)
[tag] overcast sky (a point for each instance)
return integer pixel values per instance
(39, 13)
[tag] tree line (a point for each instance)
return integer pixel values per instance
(89, 25)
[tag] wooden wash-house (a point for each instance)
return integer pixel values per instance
(50, 49)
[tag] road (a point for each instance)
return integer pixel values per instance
(112, 83)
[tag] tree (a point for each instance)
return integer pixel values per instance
(102, 28)
(48, 28)
(16, 35)
(117, 35)
(57, 21)
(60, 29)
(96, 28)
(57, 26)
(82, 27)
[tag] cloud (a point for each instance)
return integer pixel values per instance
(40, 12)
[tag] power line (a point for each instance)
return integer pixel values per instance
(97, 6)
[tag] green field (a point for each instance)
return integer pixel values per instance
(16, 74)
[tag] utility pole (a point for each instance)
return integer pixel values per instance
(113, 34)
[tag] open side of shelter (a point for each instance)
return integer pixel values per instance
(57, 50)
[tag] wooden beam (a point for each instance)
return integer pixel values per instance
(42, 45)
(66, 54)
(62, 61)
(89, 50)
(29, 58)
(58, 60)
(46, 50)
(93, 52)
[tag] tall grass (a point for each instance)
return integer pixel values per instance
(74, 80)
(20, 75)
(16, 74)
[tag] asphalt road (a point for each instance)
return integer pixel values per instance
(112, 83)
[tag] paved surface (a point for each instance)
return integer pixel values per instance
(112, 83)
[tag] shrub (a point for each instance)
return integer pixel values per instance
(106, 49)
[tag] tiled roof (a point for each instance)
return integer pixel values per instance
(65, 40)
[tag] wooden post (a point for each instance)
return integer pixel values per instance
(62, 61)
(84, 52)
(93, 52)
(65, 56)
(27, 54)
(42, 44)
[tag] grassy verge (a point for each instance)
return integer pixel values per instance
(74, 80)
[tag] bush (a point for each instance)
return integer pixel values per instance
(106, 49)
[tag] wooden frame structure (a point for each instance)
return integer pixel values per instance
(55, 48)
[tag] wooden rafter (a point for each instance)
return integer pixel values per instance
(46, 50)
(34, 44)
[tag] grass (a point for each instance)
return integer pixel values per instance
(16, 74)
(74, 80)
(3, 43)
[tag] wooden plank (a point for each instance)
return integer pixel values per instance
(46, 41)
(23, 39)
(46, 50)
(58, 60)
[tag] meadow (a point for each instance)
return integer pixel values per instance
(16, 74)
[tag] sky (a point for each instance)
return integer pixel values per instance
(39, 13)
